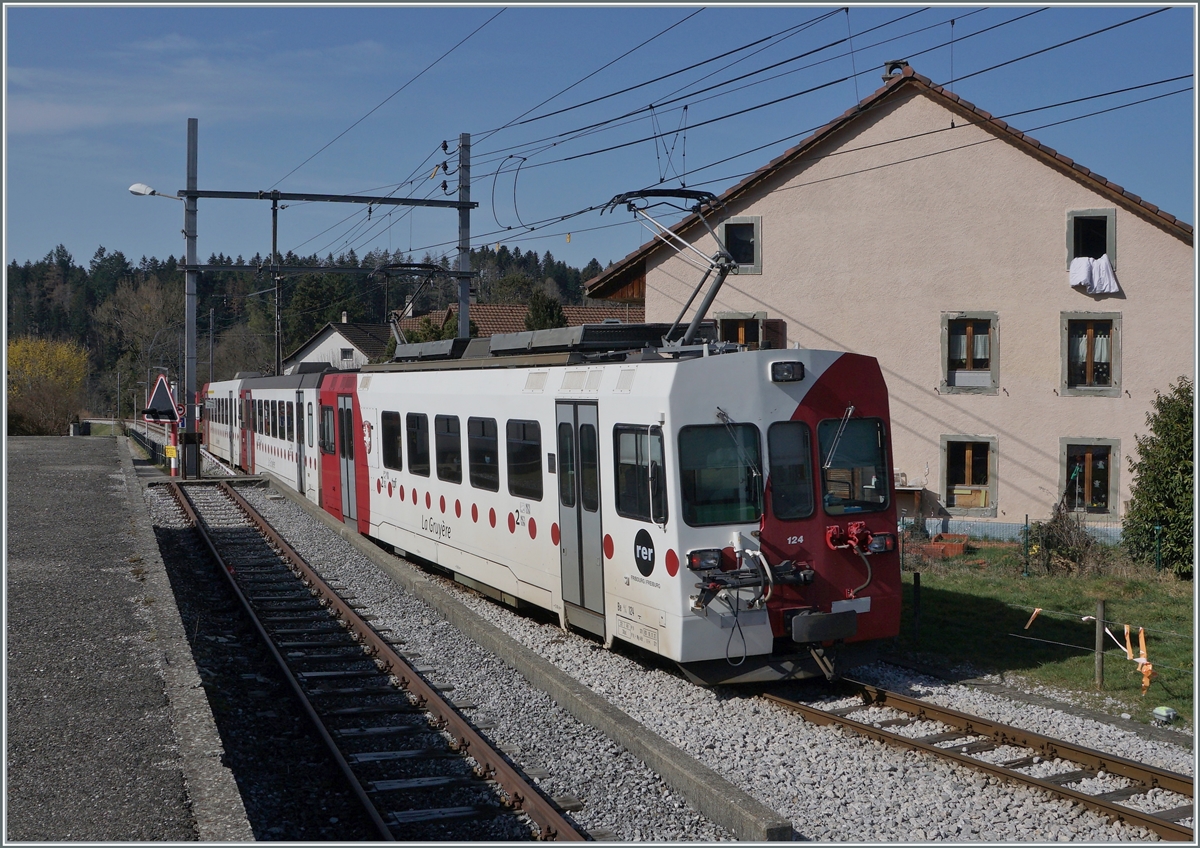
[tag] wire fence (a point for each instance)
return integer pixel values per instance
(1106, 530)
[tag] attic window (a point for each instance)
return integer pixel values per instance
(1092, 233)
(347, 353)
(742, 237)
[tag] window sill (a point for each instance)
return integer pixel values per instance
(976, 512)
(1090, 391)
(947, 389)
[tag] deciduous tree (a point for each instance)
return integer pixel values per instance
(45, 385)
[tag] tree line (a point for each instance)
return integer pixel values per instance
(127, 318)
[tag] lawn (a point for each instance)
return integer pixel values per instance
(974, 609)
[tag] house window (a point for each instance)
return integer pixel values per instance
(970, 354)
(969, 463)
(390, 436)
(1088, 480)
(753, 329)
(1091, 354)
(742, 237)
(1092, 232)
(347, 354)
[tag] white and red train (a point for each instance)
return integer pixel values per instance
(730, 510)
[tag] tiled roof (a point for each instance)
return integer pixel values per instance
(370, 339)
(620, 273)
(493, 318)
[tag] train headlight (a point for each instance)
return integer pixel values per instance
(787, 372)
(706, 560)
(882, 543)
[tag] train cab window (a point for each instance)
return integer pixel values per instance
(447, 439)
(418, 443)
(327, 445)
(854, 467)
(720, 474)
(291, 422)
(483, 453)
(390, 436)
(638, 451)
(790, 447)
(524, 459)
(310, 424)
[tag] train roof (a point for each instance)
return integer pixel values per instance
(607, 342)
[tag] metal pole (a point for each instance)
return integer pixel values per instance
(211, 313)
(275, 273)
(1100, 644)
(464, 235)
(916, 604)
(1025, 573)
(118, 402)
(1158, 547)
(191, 450)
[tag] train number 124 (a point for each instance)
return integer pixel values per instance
(795, 540)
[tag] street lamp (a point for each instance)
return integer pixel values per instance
(191, 444)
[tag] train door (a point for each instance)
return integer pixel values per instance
(345, 444)
(300, 487)
(232, 419)
(247, 458)
(581, 552)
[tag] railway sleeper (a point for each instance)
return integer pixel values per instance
(1175, 814)
(405, 817)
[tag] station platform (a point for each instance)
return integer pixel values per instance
(109, 733)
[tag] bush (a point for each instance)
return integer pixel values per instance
(45, 386)
(1162, 492)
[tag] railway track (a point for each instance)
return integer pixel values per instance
(420, 769)
(1098, 780)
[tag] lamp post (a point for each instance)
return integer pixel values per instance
(191, 447)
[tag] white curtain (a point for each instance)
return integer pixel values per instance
(958, 346)
(1101, 348)
(980, 344)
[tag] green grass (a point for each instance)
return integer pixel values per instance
(974, 609)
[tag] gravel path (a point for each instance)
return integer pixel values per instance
(832, 786)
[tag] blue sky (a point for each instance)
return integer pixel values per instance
(97, 98)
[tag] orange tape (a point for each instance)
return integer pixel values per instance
(1032, 617)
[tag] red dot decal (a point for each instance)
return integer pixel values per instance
(457, 508)
(512, 523)
(532, 529)
(492, 517)
(442, 504)
(428, 500)
(401, 493)
(554, 537)
(608, 546)
(672, 563)
(475, 513)
(414, 497)
(379, 487)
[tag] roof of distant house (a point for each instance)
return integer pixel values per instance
(493, 318)
(370, 339)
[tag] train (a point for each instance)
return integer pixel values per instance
(731, 510)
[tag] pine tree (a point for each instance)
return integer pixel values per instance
(1162, 493)
(545, 312)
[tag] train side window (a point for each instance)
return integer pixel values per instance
(638, 452)
(310, 424)
(790, 446)
(327, 429)
(483, 453)
(418, 443)
(589, 471)
(720, 474)
(566, 464)
(390, 436)
(524, 443)
(854, 465)
(448, 445)
(291, 426)
(258, 413)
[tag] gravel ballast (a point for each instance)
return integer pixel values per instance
(830, 785)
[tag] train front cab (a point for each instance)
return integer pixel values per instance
(343, 452)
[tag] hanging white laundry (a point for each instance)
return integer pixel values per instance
(1104, 279)
(1081, 272)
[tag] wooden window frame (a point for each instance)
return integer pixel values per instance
(993, 483)
(992, 385)
(1114, 468)
(1114, 388)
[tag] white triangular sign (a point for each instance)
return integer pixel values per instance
(162, 405)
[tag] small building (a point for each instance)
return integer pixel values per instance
(1023, 308)
(344, 345)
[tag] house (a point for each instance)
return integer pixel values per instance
(493, 318)
(918, 229)
(345, 345)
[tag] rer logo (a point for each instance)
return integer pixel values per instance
(643, 553)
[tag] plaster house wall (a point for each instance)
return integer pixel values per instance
(329, 349)
(899, 218)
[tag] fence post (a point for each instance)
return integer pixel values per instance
(1100, 644)
(1025, 573)
(1158, 547)
(916, 604)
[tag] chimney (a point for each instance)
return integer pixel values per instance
(343, 317)
(894, 68)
